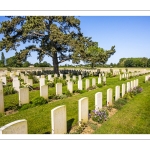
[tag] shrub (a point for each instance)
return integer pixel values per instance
(38, 101)
(99, 116)
(25, 106)
(9, 90)
(68, 94)
(99, 85)
(119, 103)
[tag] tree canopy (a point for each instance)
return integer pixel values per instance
(96, 55)
(58, 37)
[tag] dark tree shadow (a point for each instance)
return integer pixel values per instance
(69, 124)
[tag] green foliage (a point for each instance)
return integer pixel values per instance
(26, 64)
(67, 93)
(97, 55)
(38, 101)
(58, 37)
(119, 103)
(99, 116)
(99, 85)
(9, 90)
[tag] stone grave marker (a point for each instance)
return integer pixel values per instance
(1, 98)
(109, 97)
(123, 90)
(30, 82)
(93, 82)
(23, 96)
(87, 84)
(44, 91)
(98, 101)
(99, 80)
(42, 81)
(128, 87)
(117, 93)
(58, 120)
(83, 110)
(16, 85)
(15, 127)
(79, 84)
(70, 86)
(58, 88)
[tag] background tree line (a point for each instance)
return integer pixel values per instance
(134, 62)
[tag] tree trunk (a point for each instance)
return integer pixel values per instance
(55, 64)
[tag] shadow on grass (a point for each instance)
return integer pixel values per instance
(69, 124)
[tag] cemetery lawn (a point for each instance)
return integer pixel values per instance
(133, 118)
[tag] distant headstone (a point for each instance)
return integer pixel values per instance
(58, 120)
(128, 87)
(123, 90)
(79, 84)
(98, 101)
(44, 91)
(30, 82)
(42, 81)
(58, 88)
(87, 84)
(93, 82)
(80, 77)
(16, 85)
(23, 96)
(117, 93)
(1, 98)
(16, 127)
(74, 77)
(83, 110)
(3, 78)
(49, 77)
(70, 86)
(99, 80)
(109, 97)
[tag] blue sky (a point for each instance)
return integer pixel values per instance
(129, 34)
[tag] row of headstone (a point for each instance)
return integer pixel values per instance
(58, 114)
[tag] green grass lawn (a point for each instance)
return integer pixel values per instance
(39, 117)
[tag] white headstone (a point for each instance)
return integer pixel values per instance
(87, 84)
(42, 76)
(16, 127)
(23, 96)
(83, 110)
(93, 82)
(58, 120)
(123, 89)
(49, 76)
(1, 98)
(98, 101)
(128, 87)
(44, 91)
(16, 85)
(4, 80)
(109, 97)
(117, 93)
(79, 84)
(42, 81)
(74, 77)
(58, 88)
(80, 78)
(25, 79)
(99, 80)
(70, 86)
(30, 82)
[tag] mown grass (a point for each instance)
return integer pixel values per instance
(39, 117)
(133, 117)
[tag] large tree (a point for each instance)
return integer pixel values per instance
(96, 55)
(58, 37)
